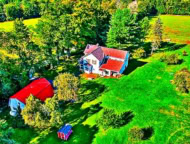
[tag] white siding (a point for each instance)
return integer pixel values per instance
(95, 66)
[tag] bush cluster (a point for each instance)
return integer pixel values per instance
(170, 59)
(185, 53)
(111, 119)
(135, 134)
(182, 80)
(139, 53)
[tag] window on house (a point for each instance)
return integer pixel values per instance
(88, 60)
(94, 62)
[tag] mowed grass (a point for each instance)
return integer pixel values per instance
(176, 28)
(149, 94)
(8, 26)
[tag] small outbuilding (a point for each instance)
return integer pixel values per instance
(40, 88)
(64, 132)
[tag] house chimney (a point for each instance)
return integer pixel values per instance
(88, 46)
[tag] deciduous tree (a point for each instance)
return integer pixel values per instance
(40, 115)
(67, 86)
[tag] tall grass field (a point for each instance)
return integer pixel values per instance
(176, 28)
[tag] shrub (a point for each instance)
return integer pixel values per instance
(110, 119)
(163, 57)
(185, 53)
(139, 53)
(170, 59)
(182, 80)
(135, 134)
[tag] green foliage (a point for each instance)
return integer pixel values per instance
(40, 115)
(30, 9)
(12, 78)
(139, 53)
(157, 32)
(125, 30)
(5, 133)
(182, 80)
(67, 86)
(176, 7)
(22, 45)
(170, 59)
(135, 134)
(110, 119)
(12, 11)
(146, 7)
(185, 53)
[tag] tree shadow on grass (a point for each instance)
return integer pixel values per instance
(75, 115)
(82, 134)
(133, 64)
(90, 91)
(127, 118)
(148, 132)
(166, 46)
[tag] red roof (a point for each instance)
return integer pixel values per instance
(90, 48)
(114, 52)
(107, 51)
(112, 65)
(40, 88)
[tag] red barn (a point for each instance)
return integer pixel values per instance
(40, 88)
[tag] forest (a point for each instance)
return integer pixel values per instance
(12, 9)
(148, 104)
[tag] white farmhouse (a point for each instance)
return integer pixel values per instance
(104, 61)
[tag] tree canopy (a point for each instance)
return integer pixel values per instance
(126, 30)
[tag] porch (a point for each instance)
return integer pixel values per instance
(109, 73)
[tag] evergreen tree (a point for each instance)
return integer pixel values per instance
(157, 39)
(125, 30)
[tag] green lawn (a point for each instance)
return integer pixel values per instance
(176, 28)
(8, 26)
(148, 93)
